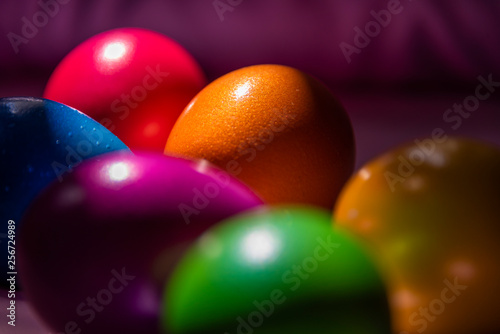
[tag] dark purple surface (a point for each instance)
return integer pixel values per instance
(122, 216)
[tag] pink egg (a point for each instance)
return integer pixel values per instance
(134, 81)
(95, 249)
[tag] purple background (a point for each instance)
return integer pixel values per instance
(396, 89)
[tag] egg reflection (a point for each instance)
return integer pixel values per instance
(242, 90)
(415, 183)
(438, 159)
(119, 171)
(465, 270)
(365, 174)
(261, 246)
(152, 129)
(405, 299)
(118, 174)
(113, 55)
(114, 51)
(202, 166)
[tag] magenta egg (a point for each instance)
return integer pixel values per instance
(96, 248)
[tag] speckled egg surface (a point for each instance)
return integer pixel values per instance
(276, 128)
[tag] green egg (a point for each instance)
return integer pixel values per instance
(276, 270)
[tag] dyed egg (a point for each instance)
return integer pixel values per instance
(430, 213)
(95, 249)
(274, 127)
(276, 270)
(40, 141)
(133, 81)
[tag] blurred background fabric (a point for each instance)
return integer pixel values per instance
(432, 44)
(423, 58)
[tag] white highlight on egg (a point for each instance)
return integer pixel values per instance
(260, 246)
(242, 90)
(365, 174)
(118, 171)
(114, 51)
(203, 166)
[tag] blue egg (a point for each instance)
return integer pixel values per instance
(40, 142)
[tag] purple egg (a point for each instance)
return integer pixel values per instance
(95, 249)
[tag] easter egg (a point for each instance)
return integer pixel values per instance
(279, 130)
(429, 211)
(134, 81)
(40, 141)
(95, 249)
(276, 270)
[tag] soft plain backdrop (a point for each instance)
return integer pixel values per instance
(397, 88)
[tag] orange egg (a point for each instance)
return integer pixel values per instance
(429, 211)
(274, 127)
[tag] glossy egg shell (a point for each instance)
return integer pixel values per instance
(276, 270)
(41, 141)
(134, 81)
(430, 213)
(123, 216)
(279, 130)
